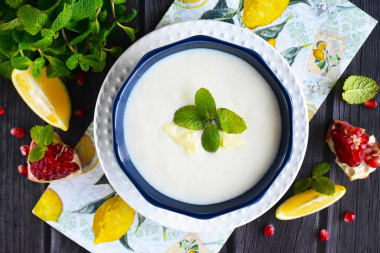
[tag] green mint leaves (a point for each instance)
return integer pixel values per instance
(320, 184)
(204, 115)
(359, 89)
(66, 37)
(42, 136)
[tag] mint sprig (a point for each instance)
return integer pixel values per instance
(49, 33)
(204, 115)
(320, 184)
(359, 89)
(42, 136)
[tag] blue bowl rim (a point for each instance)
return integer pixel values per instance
(201, 211)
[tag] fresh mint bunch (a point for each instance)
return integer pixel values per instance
(204, 115)
(43, 136)
(64, 35)
(320, 184)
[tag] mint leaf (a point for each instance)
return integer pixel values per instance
(37, 153)
(83, 9)
(52, 71)
(116, 51)
(205, 102)
(189, 117)
(32, 18)
(37, 67)
(320, 168)
(72, 61)
(15, 3)
(42, 43)
(46, 33)
(359, 89)
(63, 18)
(323, 185)
(10, 25)
(301, 185)
(80, 38)
(211, 138)
(6, 69)
(102, 62)
(21, 62)
(230, 122)
(129, 17)
(130, 32)
(42, 135)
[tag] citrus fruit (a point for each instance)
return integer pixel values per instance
(112, 220)
(262, 12)
(49, 207)
(47, 97)
(318, 54)
(307, 202)
(86, 151)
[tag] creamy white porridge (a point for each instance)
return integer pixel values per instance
(203, 177)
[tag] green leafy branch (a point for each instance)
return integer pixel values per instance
(65, 36)
(320, 184)
(204, 115)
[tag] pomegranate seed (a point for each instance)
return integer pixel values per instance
(81, 78)
(22, 170)
(349, 217)
(18, 132)
(24, 150)
(371, 104)
(324, 235)
(269, 230)
(374, 162)
(80, 113)
(2, 111)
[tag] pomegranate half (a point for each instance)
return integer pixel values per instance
(59, 162)
(357, 153)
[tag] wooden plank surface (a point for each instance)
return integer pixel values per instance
(20, 231)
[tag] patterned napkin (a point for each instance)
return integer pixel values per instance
(318, 38)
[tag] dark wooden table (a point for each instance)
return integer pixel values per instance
(21, 231)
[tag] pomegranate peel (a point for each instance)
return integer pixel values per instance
(60, 162)
(357, 153)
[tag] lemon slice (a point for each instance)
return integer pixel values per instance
(307, 202)
(47, 97)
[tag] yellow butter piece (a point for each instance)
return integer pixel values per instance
(231, 140)
(182, 136)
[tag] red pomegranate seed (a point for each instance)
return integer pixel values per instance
(80, 113)
(22, 170)
(2, 111)
(24, 150)
(371, 104)
(349, 217)
(81, 78)
(374, 162)
(269, 230)
(324, 235)
(18, 132)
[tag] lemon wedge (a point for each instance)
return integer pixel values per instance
(307, 202)
(47, 97)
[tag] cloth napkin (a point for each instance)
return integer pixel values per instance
(318, 38)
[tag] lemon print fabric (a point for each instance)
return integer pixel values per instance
(49, 207)
(307, 202)
(190, 4)
(47, 97)
(86, 151)
(262, 12)
(112, 220)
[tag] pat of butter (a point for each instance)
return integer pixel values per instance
(230, 140)
(184, 137)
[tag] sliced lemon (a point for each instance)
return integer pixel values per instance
(307, 202)
(86, 151)
(47, 97)
(49, 207)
